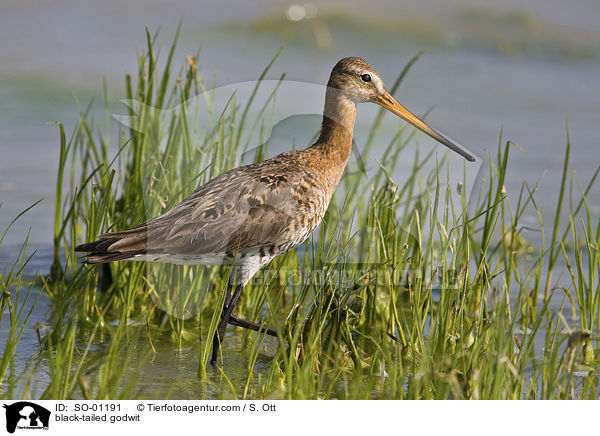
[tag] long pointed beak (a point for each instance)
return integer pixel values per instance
(388, 102)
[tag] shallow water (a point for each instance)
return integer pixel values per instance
(479, 79)
(474, 84)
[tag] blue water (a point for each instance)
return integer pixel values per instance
(524, 69)
(478, 78)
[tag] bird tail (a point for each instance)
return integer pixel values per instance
(115, 246)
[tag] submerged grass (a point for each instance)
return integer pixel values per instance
(405, 291)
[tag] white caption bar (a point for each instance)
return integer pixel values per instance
(264, 417)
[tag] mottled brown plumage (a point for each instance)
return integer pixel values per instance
(253, 213)
(246, 209)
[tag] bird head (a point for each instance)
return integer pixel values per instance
(357, 80)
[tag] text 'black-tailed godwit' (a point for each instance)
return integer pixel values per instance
(249, 215)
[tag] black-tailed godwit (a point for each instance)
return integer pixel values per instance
(249, 215)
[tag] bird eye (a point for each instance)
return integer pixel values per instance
(365, 78)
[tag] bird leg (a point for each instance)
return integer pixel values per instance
(234, 320)
(225, 316)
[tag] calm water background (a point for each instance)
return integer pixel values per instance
(523, 68)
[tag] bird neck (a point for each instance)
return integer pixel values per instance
(337, 127)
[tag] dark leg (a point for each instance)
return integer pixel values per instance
(216, 337)
(227, 296)
(234, 320)
(225, 316)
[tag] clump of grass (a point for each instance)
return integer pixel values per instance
(406, 291)
(15, 302)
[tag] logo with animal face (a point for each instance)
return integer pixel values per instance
(26, 415)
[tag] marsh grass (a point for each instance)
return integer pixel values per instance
(16, 303)
(410, 291)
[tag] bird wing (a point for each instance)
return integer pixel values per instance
(261, 206)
